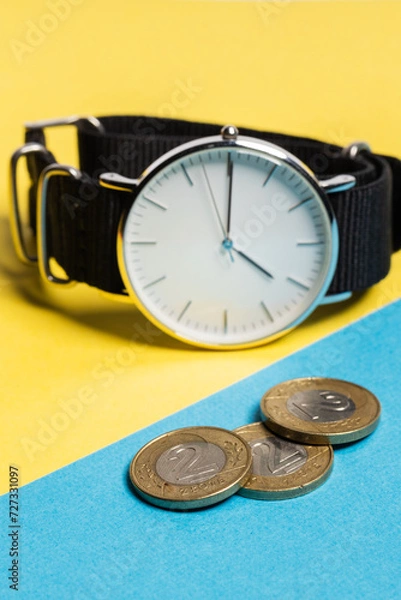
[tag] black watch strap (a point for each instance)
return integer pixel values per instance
(83, 217)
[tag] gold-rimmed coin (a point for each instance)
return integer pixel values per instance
(191, 468)
(318, 410)
(282, 469)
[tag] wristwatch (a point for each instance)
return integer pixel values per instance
(224, 240)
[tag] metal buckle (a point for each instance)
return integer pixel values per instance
(43, 255)
(15, 214)
(62, 121)
(29, 148)
(354, 149)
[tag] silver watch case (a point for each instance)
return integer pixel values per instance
(272, 152)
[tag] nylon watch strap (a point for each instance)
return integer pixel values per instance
(83, 217)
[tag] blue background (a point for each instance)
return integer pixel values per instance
(85, 535)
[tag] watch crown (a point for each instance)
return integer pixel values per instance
(229, 132)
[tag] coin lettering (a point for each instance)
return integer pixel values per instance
(281, 468)
(320, 406)
(191, 468)
(273, 457)
(189, 463)
(321, 410)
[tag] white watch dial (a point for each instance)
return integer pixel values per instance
(227, 246)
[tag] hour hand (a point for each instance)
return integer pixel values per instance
(252, 262)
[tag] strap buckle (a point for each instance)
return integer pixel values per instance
(41, 219)
(19, 240)
(20, 243)
(62, 121)
(355, 148)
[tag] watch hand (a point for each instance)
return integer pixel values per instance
(230, 191)
(255, 264)
(214, 202)
(226, 242)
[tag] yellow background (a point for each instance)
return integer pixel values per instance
(329, 70)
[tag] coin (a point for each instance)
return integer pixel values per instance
(280, 468)
(317, 410)
(191, 468)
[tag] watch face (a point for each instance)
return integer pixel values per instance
(227, 244)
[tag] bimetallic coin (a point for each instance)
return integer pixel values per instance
(282, 469)
(191, 468)
(316, 410)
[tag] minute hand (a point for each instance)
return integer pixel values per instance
(255, 264)
(230, 191)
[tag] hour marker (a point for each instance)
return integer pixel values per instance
(188, 304)
(298, 283)
(159, 204)
(153, 282)
(225, 321)
(300, 204)
(143, 242)
(269, 175)
(267, 311)
(186, 175)
(311, 243)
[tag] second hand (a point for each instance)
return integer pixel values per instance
(227, 243)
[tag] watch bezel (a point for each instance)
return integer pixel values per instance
(272, 152)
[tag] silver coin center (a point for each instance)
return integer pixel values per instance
(320, 406)
(272, 457)
(191, 462)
